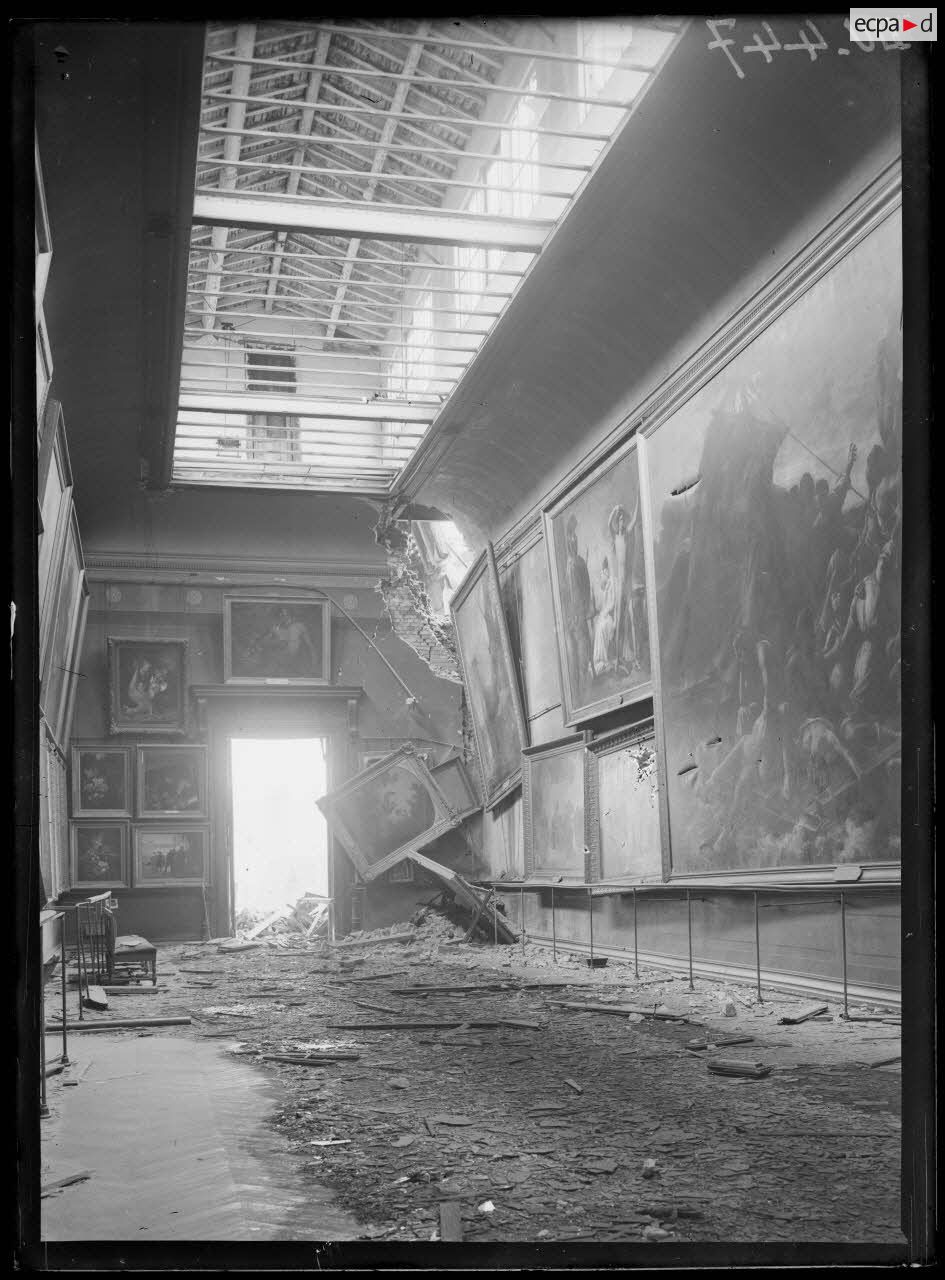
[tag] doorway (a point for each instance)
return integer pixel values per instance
(280, 839)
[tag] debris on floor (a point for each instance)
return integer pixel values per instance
(489, 1078)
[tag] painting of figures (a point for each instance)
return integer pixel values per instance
(490, 679)
(283, 641)
(553, 794)
(147, 685)
(777, 502)
(169, 856)
(595, 545)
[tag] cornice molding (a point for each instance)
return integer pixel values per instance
(223, 571)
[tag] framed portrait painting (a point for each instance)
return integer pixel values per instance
(147, 685)
(276, 640)
(490, 679)
(595, 542)
(388, 809)
(101, 781)
(99, 855)
(170, 856)
(172, 781)
(553, 796)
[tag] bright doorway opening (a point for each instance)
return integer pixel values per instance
(280, 840)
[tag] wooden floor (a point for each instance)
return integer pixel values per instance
(173, 1131)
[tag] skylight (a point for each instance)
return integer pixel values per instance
(367, 198)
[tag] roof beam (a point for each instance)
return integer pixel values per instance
(303, 407)
(235, 119)
(253, 211)
(306, 120)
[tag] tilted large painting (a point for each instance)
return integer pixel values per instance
(594, 536)
(490, 679)
(777, 500)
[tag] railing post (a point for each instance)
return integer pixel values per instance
(521, 913)
(757, 950)
(689, 922)
(554, 932)
(636, 953)
(843, 948)
(65, 1046)
(590, 921)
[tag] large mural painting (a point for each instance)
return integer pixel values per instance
(776, 501)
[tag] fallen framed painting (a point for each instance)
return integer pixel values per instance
(170, 856)
(99, 855)
(490, 680)
(386, 810)
(172, 781)
(147, 682)
(594, 537)
(101, 781)
(553, 789)
(276, 640)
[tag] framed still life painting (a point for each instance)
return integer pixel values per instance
(101, 781)
(99, 855)
(490, 679)
(276, 640)
(594, 537)
(385, 811)
(147, 682)
(170, 856)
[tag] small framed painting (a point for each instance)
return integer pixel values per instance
(276, 640)
(553, 788)
(172, 781)
(147, 685)
(101, 781)
(170, 856)
(99, 855)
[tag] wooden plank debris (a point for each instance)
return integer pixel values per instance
(573, 1084)
(120, 1024)
(138, 991)
(437, 1025)
(52, 1188)
(451, 1222)
(734, 1067)
(374, 942)
(95, 998)
(620, 1010)
(313, 1060)
(803, 1015)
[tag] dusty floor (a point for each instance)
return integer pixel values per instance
(540, 1129)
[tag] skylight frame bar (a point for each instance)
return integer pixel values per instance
(408, 116)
